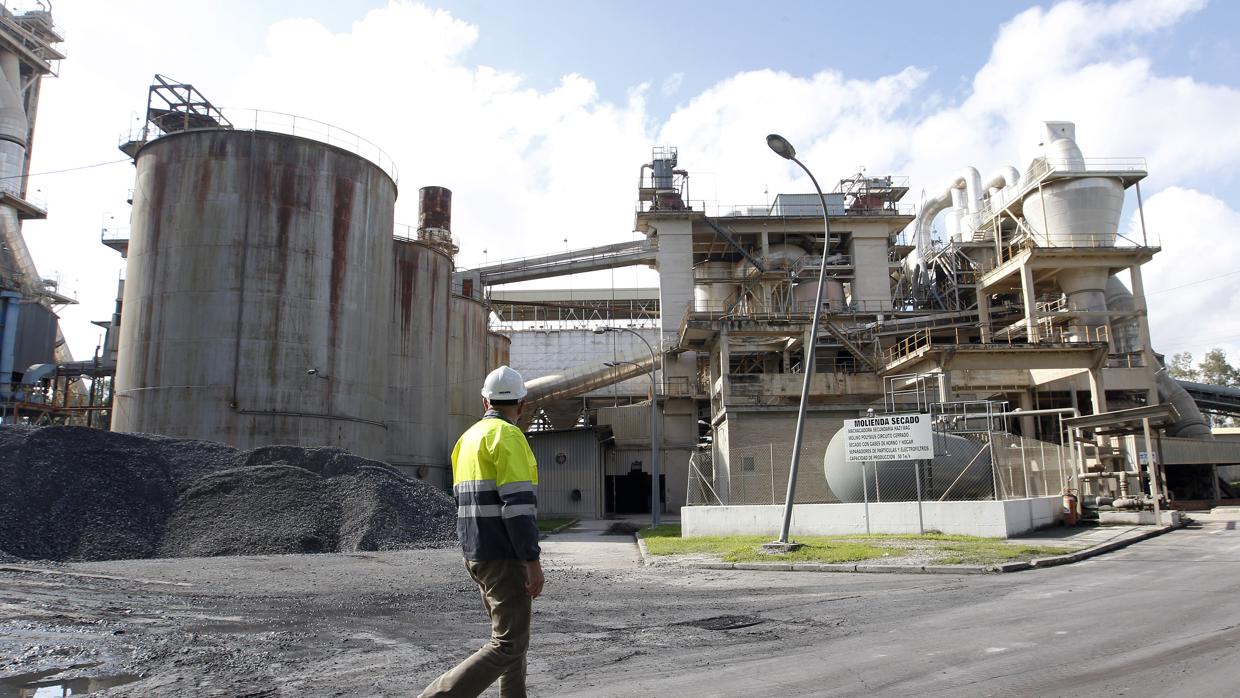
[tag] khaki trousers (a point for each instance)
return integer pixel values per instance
(502, 584)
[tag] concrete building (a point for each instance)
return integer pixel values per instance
(1028, 300)
(1027, 307)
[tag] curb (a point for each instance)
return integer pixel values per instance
(557, 529)
(641, 548)
(1102, 549)
(1038, 563)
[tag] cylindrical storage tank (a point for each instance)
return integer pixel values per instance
(711, 296)
(803, 294)
(1075, 212)
(498, 350)
(467, 366)
(417, 391)
(14, 127)
(961, 470)
(256, 305)
(434, 208)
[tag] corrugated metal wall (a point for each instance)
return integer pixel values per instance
(569, 461)
(36, 337)
(1194, 451)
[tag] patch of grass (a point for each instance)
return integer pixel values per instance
(549, 525)
(990, 551)
(666, 540)
(941, 548)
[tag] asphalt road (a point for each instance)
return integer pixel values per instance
(1159, 618)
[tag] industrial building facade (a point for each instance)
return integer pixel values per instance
(270, 297)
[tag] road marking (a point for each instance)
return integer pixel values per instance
(1061, 632)
(995, 650)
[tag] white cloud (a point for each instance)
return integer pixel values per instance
(1192, 286)
(530, 167)
(671, 84)
(527, 167)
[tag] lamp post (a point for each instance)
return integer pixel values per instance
(655, 489)
(784, 149)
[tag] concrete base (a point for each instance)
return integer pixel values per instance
(1137, 518)
(777, 548)
(984, 518)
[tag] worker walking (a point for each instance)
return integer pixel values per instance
(493, 476)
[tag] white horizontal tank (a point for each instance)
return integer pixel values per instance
(961, 470)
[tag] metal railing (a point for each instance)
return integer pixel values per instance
(1132, 359)
(114, 234)
(906, 347)
(780, 309)
(433, 236)
(1010, 335)
(719, 209)
(287, 124)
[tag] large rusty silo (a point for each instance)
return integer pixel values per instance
(467, 364)
(499, 347)
(257, 301)
(417, 420)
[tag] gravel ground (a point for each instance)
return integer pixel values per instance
(71, 493)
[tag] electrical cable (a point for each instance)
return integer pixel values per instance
(1193, 283)
(67, 169)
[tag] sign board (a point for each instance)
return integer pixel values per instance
(889, 437)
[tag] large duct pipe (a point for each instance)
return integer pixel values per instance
(1125, 333)
(953, 221)
(971, 180)
(1192, 423)
(1085, 291)
(964, 210)
(583, 379)
(1004, 177)
(1125, 338)
(13, 125)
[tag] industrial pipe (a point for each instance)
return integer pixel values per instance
(583, 379)
(1125, 336)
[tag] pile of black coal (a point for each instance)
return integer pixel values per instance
(71, 493)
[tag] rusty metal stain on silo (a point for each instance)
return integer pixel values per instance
(255, 259)
(417, 389)
(467, 365)
(498, 350)
(434, 208)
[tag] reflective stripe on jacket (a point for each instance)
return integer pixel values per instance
(493, 477)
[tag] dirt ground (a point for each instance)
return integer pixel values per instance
(386, 623)
(363, 624)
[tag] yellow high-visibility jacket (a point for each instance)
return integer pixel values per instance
(493, 477)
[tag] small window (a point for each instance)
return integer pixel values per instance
(747, 465)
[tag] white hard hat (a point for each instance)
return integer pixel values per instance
(503, 384)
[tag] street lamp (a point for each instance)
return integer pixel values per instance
(784, 149)
(655, 489)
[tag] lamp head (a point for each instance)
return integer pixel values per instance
(781, 146)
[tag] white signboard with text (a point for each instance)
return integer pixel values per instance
(889, 437)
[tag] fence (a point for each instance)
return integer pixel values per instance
(966, 467)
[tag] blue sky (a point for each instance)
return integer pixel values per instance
(538, 114)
